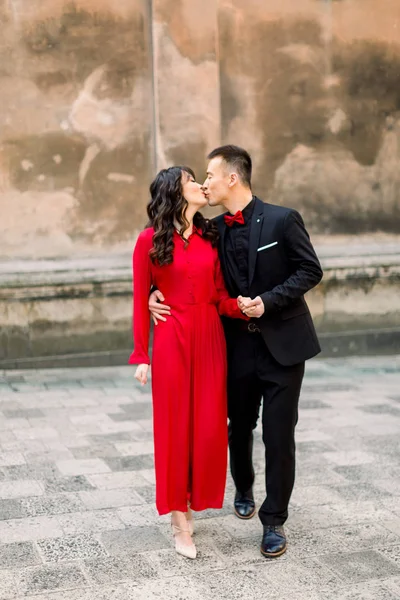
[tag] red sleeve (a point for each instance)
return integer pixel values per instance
(141, 290)
(227, 306)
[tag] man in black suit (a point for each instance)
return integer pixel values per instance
(268, 262)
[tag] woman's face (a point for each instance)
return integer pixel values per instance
(192, 191)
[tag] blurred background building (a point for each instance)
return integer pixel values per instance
(97, 95)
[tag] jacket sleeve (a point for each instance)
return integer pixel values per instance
(226, 306)
(141, 289)
(306, 269)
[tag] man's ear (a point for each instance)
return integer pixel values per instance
(233, 179)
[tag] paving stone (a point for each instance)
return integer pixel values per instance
(53, 504)
(112, 481)
(67, 484)
(315, 495)
(121, 417)
(32, 471)
(381, 409)
(393, 525)
(392, 584)
(13, 445)
(18, 555)
(182, 588)
(360, 491)
(361, 566)
(111, 498)
(339, 515)
(312, 448)
(312, 541)
(135, 539)
(11, 458)
(111, 438)
(142, 436)
(135, 448)
(367, 473)
(10, 509)
(391, 486)
(29, 529)
(139, 410)
(48, 455)
(107, 570)
(36, 433)
(148, 475)
(82, 467)
(312, 404)
(7, 585)
(28, 413)
(370, 535)
(90, 521)
(349, 458)
(236, 585)
(388, 446)
(7, 437)
(299, 577)
(96, 451)
(17, 426)
(18, 489)
(36, 580)
(362, 591)
(168, 563)
(147, 493)
(138, 515)
(71, 547)
(130, 463)
(390, 552)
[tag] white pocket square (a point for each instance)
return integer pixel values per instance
(267, 246)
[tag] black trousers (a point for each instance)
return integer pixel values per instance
(254, 375)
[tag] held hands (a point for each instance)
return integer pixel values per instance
(157, 309)
(141, 373)
(252, 308)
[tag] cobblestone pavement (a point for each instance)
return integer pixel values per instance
(77, 516)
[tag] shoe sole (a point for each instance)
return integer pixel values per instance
(273, 555)
(245, 518)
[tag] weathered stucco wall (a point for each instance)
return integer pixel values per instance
(95, 95)
(312, 88)
(77, 117)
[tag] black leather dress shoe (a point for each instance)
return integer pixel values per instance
(274, 541)
(244, 505)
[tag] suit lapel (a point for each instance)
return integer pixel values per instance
(255, 232)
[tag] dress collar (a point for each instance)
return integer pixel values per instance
(195, 230)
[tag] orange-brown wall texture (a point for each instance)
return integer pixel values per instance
(95, 95)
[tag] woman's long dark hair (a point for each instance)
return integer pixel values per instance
(167, 205)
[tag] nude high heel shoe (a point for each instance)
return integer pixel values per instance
(190, 521)
(182, 549)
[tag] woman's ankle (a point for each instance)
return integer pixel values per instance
(178, 516)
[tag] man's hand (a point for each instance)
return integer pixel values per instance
(141, 373)
(252, 308)
(157, 309)
(244, 302)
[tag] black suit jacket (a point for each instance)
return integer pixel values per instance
(283, 266)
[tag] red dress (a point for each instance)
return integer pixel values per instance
(188, 370)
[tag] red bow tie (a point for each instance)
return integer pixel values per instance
(237, 218)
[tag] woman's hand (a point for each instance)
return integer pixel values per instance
(141, 374)
(252, 308)
(157, 309)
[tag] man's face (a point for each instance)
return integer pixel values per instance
(217, 185)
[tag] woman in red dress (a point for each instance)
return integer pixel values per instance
(177, 253)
